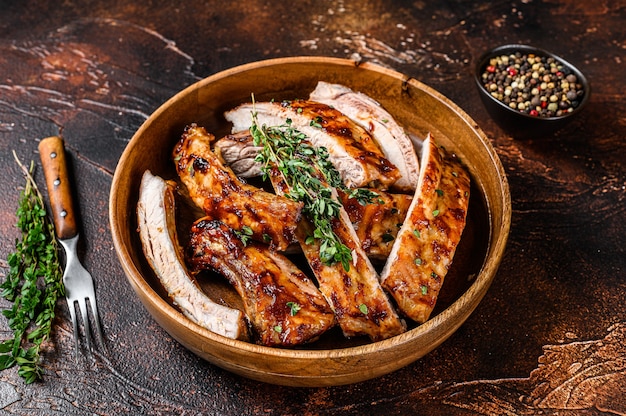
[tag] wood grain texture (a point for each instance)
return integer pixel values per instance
(58, 184)
(94, 71)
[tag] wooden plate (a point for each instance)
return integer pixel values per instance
(332, 360)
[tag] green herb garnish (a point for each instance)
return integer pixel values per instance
(33, 283)
(293, 308)
(311, 178)
(245, 234)
(317, 122)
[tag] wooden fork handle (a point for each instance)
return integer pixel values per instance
(52, 154)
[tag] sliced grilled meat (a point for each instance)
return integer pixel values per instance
(352, 150)
(424, 248)
(356, 296)
(369, 114)
(157, 231)
(377, 224)
(238, 151)
(215, 188)
(284, 306)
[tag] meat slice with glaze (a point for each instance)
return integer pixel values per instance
(215, 189)
(369, 114)
(425, 245)
(238, 152)
(283, 305)
(377, 224)
(356, 296)
(352, 150)
(159, 240)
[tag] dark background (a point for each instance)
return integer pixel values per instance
(549, 335)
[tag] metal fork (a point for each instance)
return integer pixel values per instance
(79, 287)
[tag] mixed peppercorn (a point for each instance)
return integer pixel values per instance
(532, 84)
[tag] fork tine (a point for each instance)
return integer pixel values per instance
(72, 309)
(83, 310)
(91, 297)
(96, 319)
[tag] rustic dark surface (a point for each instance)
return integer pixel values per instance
(549, 337)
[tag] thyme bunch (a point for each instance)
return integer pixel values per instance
(33, 283)
(311, 178)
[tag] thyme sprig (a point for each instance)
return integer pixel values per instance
(311, 178)
(33, 284)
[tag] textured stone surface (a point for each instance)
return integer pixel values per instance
(549, 336)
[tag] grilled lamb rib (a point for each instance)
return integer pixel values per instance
(369, 114)
(424, 247)
(283, 305)
(216, 189)
(159, 241)
(352, 150)
(356, 296)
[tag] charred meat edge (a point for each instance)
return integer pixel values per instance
(157, 231)
(217, 190)
(284, 306)
(352, 150)
(425, 245)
